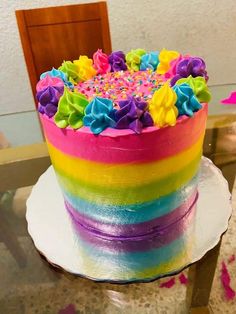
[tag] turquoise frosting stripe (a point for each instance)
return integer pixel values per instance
(127, 214)
(136, 261)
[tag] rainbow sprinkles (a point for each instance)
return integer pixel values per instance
(132, 91)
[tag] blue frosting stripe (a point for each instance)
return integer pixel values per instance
(128, 213)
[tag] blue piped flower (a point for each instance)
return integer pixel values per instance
(187, 103)
(57, 73)
(149, 61)
(99, 115)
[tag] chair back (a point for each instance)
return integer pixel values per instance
(51, 35)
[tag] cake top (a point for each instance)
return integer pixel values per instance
(132, 91)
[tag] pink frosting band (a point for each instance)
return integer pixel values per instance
(123, 146)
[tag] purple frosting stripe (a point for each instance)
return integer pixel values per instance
(150, 239)
(132, 230)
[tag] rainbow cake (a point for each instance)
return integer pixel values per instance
(125, 135)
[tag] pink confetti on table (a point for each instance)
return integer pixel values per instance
(183, 279)
(230, 100)
(231, 259)
(69, 309)
(168, 284)
(225, 280)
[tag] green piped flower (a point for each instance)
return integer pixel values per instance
(133, 58)
(71, 70)
(199, 87)
(70, 110)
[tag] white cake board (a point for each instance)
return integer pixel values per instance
(51, 230)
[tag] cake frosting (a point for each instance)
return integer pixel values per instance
(126, 144)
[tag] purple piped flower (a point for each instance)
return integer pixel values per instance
(117, 61)
(190, 66)
(48, 99)
(133, 115)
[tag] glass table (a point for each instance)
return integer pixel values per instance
(29, 284)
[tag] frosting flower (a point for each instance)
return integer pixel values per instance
(49, 91)
(71, 109)
(47, 81)
(187, 102)
(162, 106)
(190, 66)
(71, 70)
(85, 68)
(149, 61)
(117, 61)
(99, 115)
(173, 64)
(165, 58)
(199, 87)
(133, 58)
(133, 115)
(100, 62)
(59, 74)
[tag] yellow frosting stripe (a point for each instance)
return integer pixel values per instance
(121, 175)
(122, 195)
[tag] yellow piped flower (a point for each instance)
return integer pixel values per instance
(85, 68)
(165, 58)
(162, 106)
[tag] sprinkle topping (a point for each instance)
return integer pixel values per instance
(118, 86)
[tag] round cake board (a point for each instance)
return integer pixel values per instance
(51, 230)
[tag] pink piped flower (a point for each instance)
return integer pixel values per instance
(100, 62)
(49, 81)
(173, 64)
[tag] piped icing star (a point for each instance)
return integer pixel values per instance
(71, 109)
(59, 74)
(199, 87)
(133, 115)
(133, 58)
(187, 103)
(165, 58)
(99, 115)
(100, 62)
(117, 61)
(71, 70)
(149, 61)
(49, 91)
(193, 66)
(162, 106)
(85, 68)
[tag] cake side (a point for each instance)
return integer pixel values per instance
(125, 212)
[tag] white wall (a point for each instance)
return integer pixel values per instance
(202, 27)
